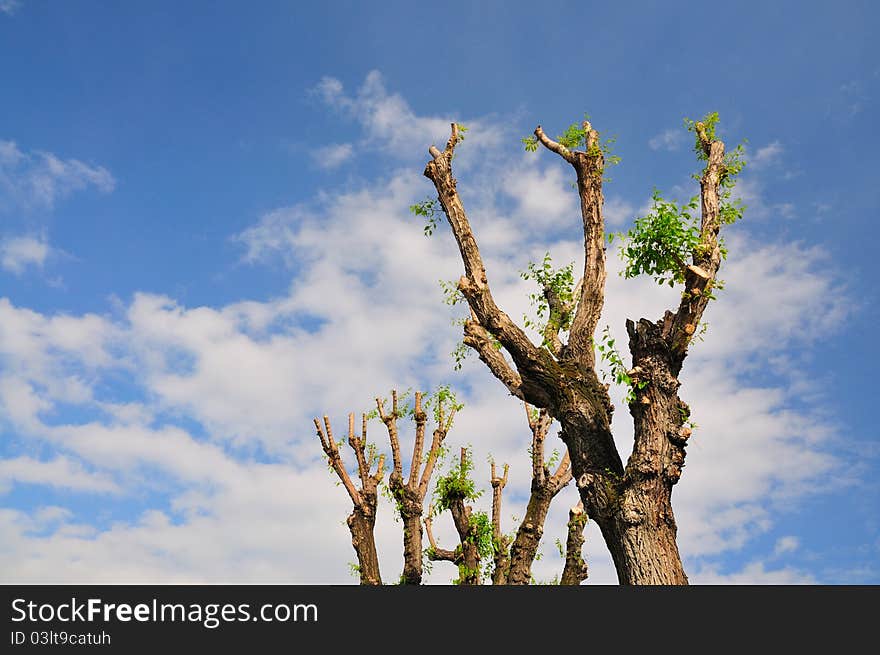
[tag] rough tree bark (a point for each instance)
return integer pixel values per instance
(630, 505)
(575, 570)
(466, 555)
(409, 494)
(362, 521)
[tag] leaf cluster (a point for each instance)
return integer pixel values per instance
(429, 209)
(456, 485)
(609, 354)
(659, 243)
(560, 282)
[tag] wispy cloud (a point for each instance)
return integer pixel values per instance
(389, 122)
(38, 179)
(18, 253)
(332, 156)
(787, 544)
(9, 7)
(766, 156)
(60, 472)
(667, 140)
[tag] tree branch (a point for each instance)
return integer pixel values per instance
(476, 337)
(498, 484)
(589, 167)
(421, 418)
(700, 276)
(500, 542)
(553, 146)
(539, 426)
(436, 553)
(391, 425)
(335, 459)
(474, 285)
(433, 454)
(357, 445)
(562, 476)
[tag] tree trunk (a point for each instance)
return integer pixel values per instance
(361, 525)
(412, 547)
(469, 564)
(525, 545)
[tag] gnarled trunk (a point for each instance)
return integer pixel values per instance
(412, 546)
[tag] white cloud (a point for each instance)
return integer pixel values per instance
(389, 122)
(543, 195)
(59, 472)
(667, 140)
(17, 253)
(38, 179)
(787, 544)
(618, 212)
(766, 156)
(332, 156)
(9, 7)
(754, 573)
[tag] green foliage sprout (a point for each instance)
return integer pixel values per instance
(609, 354)
(429, 209)
(559, 282)
(660, 243)
(575, 136)
(456, 485)
(445, 397)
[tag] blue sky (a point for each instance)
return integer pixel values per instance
(204, 242)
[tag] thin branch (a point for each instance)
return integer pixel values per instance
(553, 146)
(357, 445)
(335, 459)
(436, 553)
(498, 484)
(700, 276)
(391, 425)
(563, 474)
(421, 419)
(433, 454)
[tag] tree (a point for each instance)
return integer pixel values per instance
(631, 504)
(362, 520)
(409, 495)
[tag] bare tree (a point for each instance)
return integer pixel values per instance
(409, 493)
(362, 521)
(631, 505)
